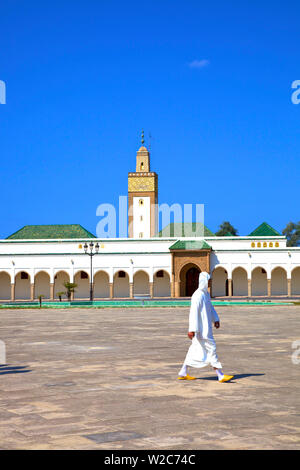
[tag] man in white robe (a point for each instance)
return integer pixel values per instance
(202, 351)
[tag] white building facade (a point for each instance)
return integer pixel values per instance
(38, 260)
(127, 268)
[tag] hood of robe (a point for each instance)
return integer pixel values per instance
(203, 281)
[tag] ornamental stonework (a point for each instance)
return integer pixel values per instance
(143, 183)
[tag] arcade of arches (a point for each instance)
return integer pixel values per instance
(25, 288)
(182, 283)
(259, 284)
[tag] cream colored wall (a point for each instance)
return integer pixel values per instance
(101, 285)
(61, 277)
(295, 283)
(82, 291)
(141, 283)
(161, 285)
(22, 288)
(219, 277)
(259, 282)
(42, 285)
(121, 286)
(5, 286)
(278, 282)
(239, 282)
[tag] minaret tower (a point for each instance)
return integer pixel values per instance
(142, 197)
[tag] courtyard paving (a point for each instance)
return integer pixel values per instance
(107, 379)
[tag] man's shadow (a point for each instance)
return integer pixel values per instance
(8, 369)
(235, 377)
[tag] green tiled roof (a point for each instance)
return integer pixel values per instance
(264, 230)
(190, 245)
(30, 232)
(186, 229)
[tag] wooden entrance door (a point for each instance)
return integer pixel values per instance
(191, 281)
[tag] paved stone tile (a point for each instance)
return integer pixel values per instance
(113, 436)
(112, 374)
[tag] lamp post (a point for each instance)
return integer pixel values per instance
(91, 253)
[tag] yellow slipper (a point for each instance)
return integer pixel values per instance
(226, 378)
(186, 377)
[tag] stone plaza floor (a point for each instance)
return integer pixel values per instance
(106, 378)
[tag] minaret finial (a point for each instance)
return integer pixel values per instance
(143, 140)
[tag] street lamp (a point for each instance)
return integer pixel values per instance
(91, 253)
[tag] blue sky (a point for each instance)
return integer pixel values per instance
(211, 82)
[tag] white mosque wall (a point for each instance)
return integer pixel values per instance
(141, 217)
(55, 262)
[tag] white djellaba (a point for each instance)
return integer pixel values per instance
(202, 351)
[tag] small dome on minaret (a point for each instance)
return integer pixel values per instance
(142, 158)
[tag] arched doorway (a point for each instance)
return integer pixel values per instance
(161, 284)
(101, 285)
(259, 283)
(219, 282)
(42, 285)
(239, 282)
(141, 283)
(121, 284)
(5, 286)
(295, 281)
(279, 281)
(189, 279)
(22, 286)
(82, 291)
(59, 279)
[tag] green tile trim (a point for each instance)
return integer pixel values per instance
(190, 245)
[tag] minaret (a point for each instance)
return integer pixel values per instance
(142, 197)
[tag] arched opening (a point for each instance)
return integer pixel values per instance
(42, 285)
(101, 285)
(259, 282)
(279, 281)
(22, 286)
(295, 282)
(239, 282)
(219, 282)
(82, 291)
(141, 283)
(161, 284)
(5, 286)
(59, 279)
(189, 279)
(121, 284)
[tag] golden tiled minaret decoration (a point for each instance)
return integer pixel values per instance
(142, 197)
